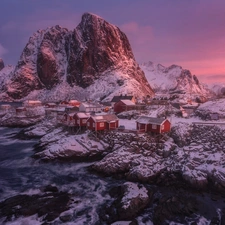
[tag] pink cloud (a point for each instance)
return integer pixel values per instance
(207, 69)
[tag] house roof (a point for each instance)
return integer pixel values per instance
(51, 103)
(91, 105)
(150, 120)
(69, 114)
(127, 102)
(104, 118)
(82, 115)
(121, 97)
(34, 102)
(73, 101)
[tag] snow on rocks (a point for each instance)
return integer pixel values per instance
(58, 144)
(199, 160)
(135, 198)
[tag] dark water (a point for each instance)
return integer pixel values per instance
(20, 174)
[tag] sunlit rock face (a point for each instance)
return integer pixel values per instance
(93, 50)
(1, 64)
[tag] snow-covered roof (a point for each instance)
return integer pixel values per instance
(33, 102)
(127, 102)
(91, 105)
(73, 101)
(105, 118)
(51, 103)
(150, 120)
(82, 115)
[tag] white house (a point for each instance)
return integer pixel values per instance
(90, 107)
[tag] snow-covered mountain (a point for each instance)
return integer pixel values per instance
(174, 80)
(95, 60)
(218, 89)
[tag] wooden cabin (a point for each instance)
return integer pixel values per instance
(68, 119)
(80, 119)
(74, 103)
(71, 109)
(103, 122)
(152, 124)
(32, 103)
(116, 99)
(90, 107)
(124, 105)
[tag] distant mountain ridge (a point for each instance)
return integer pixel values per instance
(95, 60)
(174, 80)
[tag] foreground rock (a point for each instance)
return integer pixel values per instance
(15, 121)
(195, 155)
(59, 144)
(38, 130)
(48, 205)
(199, 161)
(131, 199)
(31, 116)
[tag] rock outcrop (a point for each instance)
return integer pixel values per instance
(1, 64)
(95, 58)
(48, 205)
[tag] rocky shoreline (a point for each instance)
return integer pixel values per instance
(187, 161)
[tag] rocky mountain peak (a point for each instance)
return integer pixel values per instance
(1, 64)
(77, 59)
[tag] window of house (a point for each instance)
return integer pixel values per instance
(162, 127)
(93, 124)
(84, 120)
(88, 123)
(78, 121)
(101, 125)
(154, 126)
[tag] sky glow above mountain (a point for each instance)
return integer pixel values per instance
(189, 33)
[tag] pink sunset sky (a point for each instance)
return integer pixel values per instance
(189, 33)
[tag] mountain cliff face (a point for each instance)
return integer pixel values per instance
(94, 60)
(174, 80)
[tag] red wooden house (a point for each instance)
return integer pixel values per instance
(80, 119)
(103, 122)
(68, 119)
(151, 124)
(124, 105)
(74, 103)
(116, 99)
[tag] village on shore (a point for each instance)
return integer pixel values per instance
(151, 115)
(78, 116)
(154, 142)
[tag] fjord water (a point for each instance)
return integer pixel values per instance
(21, 174)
